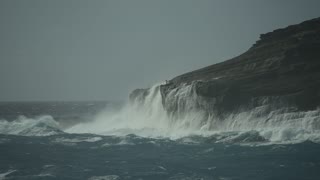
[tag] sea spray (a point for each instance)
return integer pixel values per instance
(146, 116)
(184, 114)
(39, 126)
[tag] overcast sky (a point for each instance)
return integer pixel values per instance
(101, 50)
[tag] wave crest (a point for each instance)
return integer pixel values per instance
(40, 126)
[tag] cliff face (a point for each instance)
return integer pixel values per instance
(282, 69)
(272, 89)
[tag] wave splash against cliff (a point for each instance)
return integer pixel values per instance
(145, 116)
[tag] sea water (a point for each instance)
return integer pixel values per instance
(105, 141)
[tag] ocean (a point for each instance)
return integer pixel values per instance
(108, 141)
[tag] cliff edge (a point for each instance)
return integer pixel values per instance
(282, 67)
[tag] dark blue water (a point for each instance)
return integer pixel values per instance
(91, 156)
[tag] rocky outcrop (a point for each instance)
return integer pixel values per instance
(282, 69)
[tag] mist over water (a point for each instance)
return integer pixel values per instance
(147, 117)
(143, 140)
(253, 117)
(144, 118)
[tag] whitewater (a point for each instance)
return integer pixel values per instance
(147, 118)
(142, 140)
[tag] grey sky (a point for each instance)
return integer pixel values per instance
(101, 50)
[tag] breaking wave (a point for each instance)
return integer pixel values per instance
(145, 116)
(191, 117)
(41, 126)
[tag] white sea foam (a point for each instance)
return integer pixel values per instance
(40, 126)
(77, 140)
(146, 117)
(3, 175)
(45, 175)
(107, 177)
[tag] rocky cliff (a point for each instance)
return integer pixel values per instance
(276, 83)
(284, 63)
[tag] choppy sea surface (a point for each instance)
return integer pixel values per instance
(37, 141)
